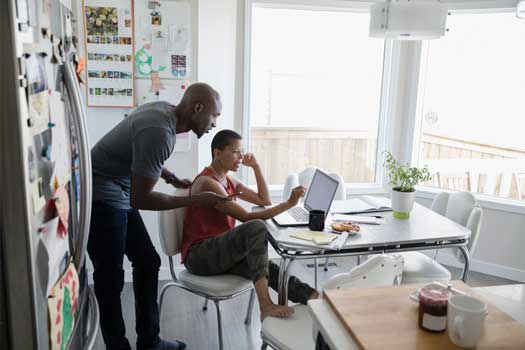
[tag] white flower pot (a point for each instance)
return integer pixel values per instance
(402, 203)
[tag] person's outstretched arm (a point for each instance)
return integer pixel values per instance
(206, 184)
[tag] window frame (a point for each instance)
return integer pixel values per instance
(486, 201)
(389, 71)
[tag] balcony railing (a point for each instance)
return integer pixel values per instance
(455, 164)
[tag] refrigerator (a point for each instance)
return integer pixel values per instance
(45, 177)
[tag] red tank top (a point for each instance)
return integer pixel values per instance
(201, 223)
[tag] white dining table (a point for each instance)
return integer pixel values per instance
(424, 230)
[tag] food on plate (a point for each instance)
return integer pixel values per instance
(345, 227)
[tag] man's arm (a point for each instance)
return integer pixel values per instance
(143, 196)
(173, 180)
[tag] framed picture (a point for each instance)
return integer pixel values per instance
(109, 44)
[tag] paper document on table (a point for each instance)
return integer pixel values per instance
(358, 219)
(317, 237)
(364, 204)
(340, 241)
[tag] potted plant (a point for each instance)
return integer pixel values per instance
(404, 178)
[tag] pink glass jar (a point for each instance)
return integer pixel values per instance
(433, 301)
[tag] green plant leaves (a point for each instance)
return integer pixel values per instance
(403, 177)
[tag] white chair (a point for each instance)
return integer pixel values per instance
(215, 288)
(460, 207)
(304, 178)
(290, 333)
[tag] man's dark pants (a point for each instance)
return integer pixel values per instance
(113, 234)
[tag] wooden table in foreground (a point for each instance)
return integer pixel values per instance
(381, 318)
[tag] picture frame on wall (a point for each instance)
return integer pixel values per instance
(109, 46)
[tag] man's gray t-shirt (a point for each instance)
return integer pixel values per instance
(137, 145)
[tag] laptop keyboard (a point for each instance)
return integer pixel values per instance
(299, 214)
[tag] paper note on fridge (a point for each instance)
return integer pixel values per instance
(60, 150)
(57, 247)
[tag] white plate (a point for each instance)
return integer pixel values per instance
(350, 233)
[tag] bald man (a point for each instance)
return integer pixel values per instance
(127, 163)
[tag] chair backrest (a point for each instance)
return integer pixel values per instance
(171, 227)
(439, 204)
(304, 178)
(378, 271)
(462, 208)
(459, 206)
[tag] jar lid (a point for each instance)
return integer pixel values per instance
(434, 295)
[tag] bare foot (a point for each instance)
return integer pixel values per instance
(315, 295)
(276, 311)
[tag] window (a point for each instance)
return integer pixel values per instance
(315, 91)
(472, 95)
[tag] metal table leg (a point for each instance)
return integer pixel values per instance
(284, 274)
(466, 256)
(282, 268)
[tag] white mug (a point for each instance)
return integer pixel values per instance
(465, 320)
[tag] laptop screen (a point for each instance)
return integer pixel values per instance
(321, 192)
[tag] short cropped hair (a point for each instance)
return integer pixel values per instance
(222, 139)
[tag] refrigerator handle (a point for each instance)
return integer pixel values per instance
(93, 321)
(79, 121)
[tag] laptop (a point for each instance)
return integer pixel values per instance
(320, 195)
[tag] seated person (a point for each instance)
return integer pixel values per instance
(212, 244)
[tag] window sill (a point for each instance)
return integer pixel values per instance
(488, 202)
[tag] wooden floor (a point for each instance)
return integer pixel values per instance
(182, 316)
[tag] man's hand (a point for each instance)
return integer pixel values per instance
(249, 160)
(208, 199)
(297, 193)
(180, 183)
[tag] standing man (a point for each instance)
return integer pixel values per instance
(127, 163)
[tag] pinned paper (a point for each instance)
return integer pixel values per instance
(61, 201)
(38, 94)
(178, 65)
(56, 247)
(62, 304)
(156, 84)
(60, 152)
(37, 195)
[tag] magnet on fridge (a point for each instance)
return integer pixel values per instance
(46, 152)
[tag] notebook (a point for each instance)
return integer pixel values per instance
(317, 237)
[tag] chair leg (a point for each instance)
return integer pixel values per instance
(315, 274)
(248, 318)
(358, 260)
(205, 306)
(326, 264)
(162, 291)
(219, 323)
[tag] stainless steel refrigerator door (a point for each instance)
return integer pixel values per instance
(24, 297)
